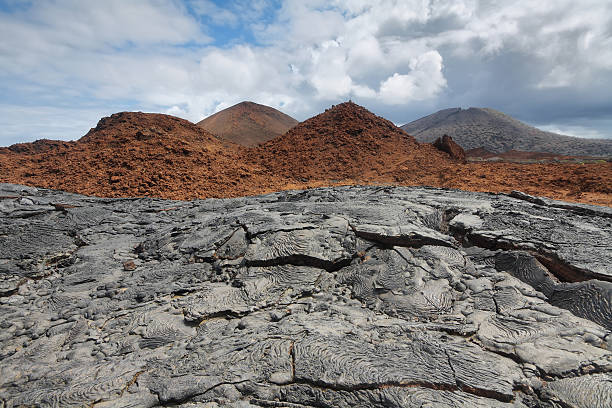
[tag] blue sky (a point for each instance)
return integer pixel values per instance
(64, 64)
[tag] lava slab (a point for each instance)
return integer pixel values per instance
(331, 297)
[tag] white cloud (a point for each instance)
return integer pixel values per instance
(328, 73)
(570, 39)
(175, 111)
(424, 81)
(364, 56)
(72, 25)
(558, 77)
(398, 89)
(363, 92)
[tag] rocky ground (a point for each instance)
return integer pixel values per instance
(332, 297)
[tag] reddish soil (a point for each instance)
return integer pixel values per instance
(39, 146)
(585, 183)
(139, 154)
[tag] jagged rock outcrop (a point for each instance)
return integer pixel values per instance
(448, 145)
(332, 297)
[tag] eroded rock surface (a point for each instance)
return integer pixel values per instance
(334, 297)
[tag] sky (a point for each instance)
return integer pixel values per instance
(64, 64)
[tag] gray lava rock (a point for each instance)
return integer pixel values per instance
(332, 297)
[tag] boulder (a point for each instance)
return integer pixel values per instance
(446, 144)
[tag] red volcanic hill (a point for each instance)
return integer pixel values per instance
(248, 123)
(346, 142)
(130, 154)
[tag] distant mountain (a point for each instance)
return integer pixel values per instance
(497, 132)
(248, 123)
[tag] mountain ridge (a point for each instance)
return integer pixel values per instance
(498, 132)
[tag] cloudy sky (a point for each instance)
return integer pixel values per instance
(66, 63)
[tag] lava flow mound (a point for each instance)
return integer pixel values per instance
(131, 154)
(346, 142)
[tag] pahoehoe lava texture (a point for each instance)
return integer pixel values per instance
(332, 297)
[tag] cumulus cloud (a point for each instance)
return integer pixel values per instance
(56, 27)
(424, 81)
(403, 59)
